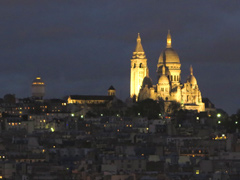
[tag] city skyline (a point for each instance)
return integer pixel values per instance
(84, 47)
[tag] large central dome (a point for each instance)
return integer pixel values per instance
(168, 56)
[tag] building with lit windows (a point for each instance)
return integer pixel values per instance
(169, 87)
(38, 88)
(92, 99)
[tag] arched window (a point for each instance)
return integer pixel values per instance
(140, 65)
(134, 65)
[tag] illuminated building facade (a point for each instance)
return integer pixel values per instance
(139, 69)
(38, 88)
(92, 99)
(169, 86)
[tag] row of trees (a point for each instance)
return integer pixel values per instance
(146, 108)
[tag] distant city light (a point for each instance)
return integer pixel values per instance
(219, 122)
(101, 114)
(72, 114)
(197, 118)
(52, 129)
(81, 116)
(236, 122)
(139, 114)
(219, 115)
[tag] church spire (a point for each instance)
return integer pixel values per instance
(169, 40)
(139, 47)
(163, 70)
(191, 70)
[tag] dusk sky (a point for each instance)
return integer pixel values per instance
(83, 47)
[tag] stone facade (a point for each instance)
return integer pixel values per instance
(169, 87)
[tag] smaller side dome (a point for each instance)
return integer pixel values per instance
(163, 80)
(147, 81)
(191, 79)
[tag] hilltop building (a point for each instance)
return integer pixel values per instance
(169, 86)
(93, 99)
(38, 88)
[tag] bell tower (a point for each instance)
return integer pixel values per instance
(139, 69)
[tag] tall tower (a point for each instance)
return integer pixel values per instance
(38, 89)
(139, 69)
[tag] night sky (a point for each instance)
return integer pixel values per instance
(83, 47)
